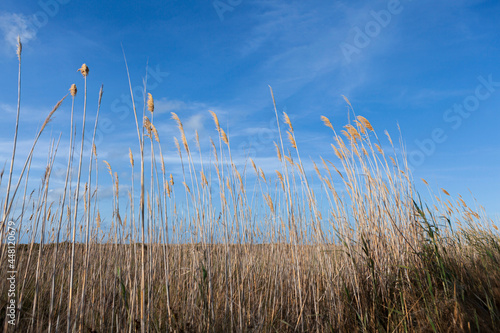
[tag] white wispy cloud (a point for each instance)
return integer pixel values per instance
(7, 108)
(194, 115)
(164, 105)
(13, 25)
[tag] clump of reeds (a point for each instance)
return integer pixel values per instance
(231, 250)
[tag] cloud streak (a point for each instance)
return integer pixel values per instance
(13, 25)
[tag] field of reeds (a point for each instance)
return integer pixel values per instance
(229, 248)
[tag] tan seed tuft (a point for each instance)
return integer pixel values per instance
(181, 129)
(280, 176)
(84, 70)
(131, 157)
(147, 125)
(353, 133)
(381, 152)
(254, 166)
(98, 220)
(347, 101)
(216, 120)
(327, 122)
(19, 47)
(224, 136)
(263, 175)
(187, 187)
(365, 123)
(287, 121)
(155, 133)
(337, 152)
(73, 90)
(151, 103)
(204, 181)
(269, 202)
(388, 136)
(291, 139)
(109, 168)
(278, 151)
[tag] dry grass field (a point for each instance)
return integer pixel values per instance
(372, 258)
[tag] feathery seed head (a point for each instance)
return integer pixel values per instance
(381, 152)
(262, 175)
(176, 142)
(280, 177)
(151, 103)
(360, 126)
(176, 118)
(204, 181)
(181, 129)
(19, 47)
(98, 220)
(388, 136)
(365, 123)
(147, 125)
(278, 151)
(254, 166)
(168, 188)
(287, 121)
(109, 168)
(337, 152)
(73, 90)
(353, 133)
(187, 187)
(269, 202)
(346, 134)
(291, 139)
(184, 142)
(347, 101)
(224, 137)
(327, 122)
(49, 117)
(216, 120)
(131, 157)
(84, 70)
(317, 171)
(155, 133)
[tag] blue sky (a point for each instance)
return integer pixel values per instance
(430, 66)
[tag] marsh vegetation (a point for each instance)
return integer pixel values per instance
(232, 248)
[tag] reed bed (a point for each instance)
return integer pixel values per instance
(232, 248)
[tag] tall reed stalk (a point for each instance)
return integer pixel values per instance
(342, 243)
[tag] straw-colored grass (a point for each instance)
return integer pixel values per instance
(226, 249)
